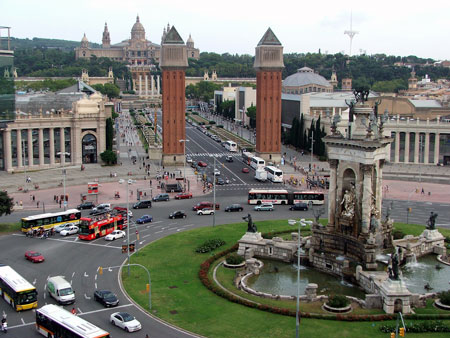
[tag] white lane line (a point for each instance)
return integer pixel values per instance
(70, 282)
(84, 243)
(85, 274)
(86, 296)
(45, 294)
(157, 232)
(95, 286)
(189, 225)
(140, 243)
(95, 277)
(34, 282)
(146, 235)
(172, 224)
(79, 310)
(23, 322)
(73, 274)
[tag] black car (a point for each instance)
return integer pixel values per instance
(85, 205)
(299, 206)
(178, 214)
(234, 207)
(107, 298)
(220, 181)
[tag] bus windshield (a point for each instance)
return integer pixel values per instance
(26, 297)
(84, 228)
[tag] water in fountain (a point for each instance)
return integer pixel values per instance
(417, 275)
(411, 261)
(383, 258)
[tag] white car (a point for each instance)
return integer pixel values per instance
(216, 172)
(115, 235)
(61, 227)
(101, 207)
(188, 160)
(71, 230)
(125, 321)
(205, 211)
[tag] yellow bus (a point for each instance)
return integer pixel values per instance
(16, 290)
(50, 220)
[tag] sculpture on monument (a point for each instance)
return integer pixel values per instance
(374, 214)
(431, 223)
(393, 270)
(251, 227)
(348, 204)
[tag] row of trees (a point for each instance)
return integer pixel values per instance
(47, 84)
(300, 136)
(109, 89)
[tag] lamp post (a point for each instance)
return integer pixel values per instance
(303, 223)
(128, 224)
(312, 149)
(184, 163)
(64, 177)
(214, 193)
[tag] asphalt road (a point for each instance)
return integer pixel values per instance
(78, 261)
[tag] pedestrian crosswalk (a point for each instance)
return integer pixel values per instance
(222, 154)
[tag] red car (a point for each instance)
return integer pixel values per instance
(245, 170)
(34, 256)
(202, 164)
(183, 195)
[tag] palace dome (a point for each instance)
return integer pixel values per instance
(138, 31)
(305, 76)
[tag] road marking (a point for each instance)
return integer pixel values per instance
(86, 296)
(70, 282)
(172, 224)
(146, 235)
(45, 294)
(85, 274)
(140, 243)
(95, 277)
(23, 322)
(34, 282)
(83, 243)
(95, 286)
(79, 311)
(73, 274)
(157, 232)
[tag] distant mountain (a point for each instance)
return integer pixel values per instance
(17, 43)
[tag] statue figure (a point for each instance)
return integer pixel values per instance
(431, 223)
(317, 213)
(388, 210)
(348, 202)
(394, 272)
(251, 227)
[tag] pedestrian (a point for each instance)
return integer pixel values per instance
(37, 204)
(150, 182)
(74, 311)
(422, 192)
(60, 202)
(34, 198)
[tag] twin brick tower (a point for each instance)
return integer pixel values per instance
(268, 65)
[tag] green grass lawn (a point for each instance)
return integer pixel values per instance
(179, 298)
(9, 227)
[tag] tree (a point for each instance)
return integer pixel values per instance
(109, 133)
(251, 113)
(6, 203)
(109, 157)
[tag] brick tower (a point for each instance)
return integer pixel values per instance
(173, 65)
(268, 65)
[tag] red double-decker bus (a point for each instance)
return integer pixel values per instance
(101, 225)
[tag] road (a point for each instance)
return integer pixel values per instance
(78, 261)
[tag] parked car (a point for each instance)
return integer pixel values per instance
(125, 321)
(105, 297)
(202, 164)
(299, 206)
(234, 207)
(61, 227)
(206, 204)
(205, 211)
(245, 170)
(229, 158)
(34, 256)
(220, 181)
(116, 234)
(161, 197)
(85, 205)
(123, 211)
(264, 207)
(142, 205)
(100, 207)
(144, 219)
(178, 214)
(183, 195)
(71, 230)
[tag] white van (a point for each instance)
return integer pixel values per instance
(61, 290)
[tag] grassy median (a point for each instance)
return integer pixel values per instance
(179, 297)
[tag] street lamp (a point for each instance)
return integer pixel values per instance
(184, 164)
(64, 176)
(214, 193)
(128, 223)
(302, 223)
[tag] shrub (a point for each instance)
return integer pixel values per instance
(234, 259)
(338, 301)
(322, 158)
(398, 234)
(419, 327)
(194, 113)
(210, 245)
(219, 126)
(212, 122)
(444, 297)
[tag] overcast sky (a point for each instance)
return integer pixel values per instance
(393, 27)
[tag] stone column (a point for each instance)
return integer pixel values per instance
(397, 147)
(30, 147)
(62, 146)
(20, 154)
(332, 194)
(436, 148)
(8, 155)
(416, 148)
(427, 148)
(146, 85)
(367, 197)
(41, 146)
(158, 87)
(407, 140)
(152, 84)
(140, 85)
(51, 139)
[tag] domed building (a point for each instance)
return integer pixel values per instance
(305, 81)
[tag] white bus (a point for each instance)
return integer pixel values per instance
(308, 197)
(257, 163)
(54, 321)
(16, 290)
(231, 146)
(258, 196)
(274, 174)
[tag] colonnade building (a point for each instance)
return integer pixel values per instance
(43, 140)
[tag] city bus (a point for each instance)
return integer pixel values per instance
(54, 321)
(257, 163)
(50, 220)
(308, 197)
(247, 156)
(100, 225)
(16, 290)
(231, 146)
(258, 196)
(274, 174)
